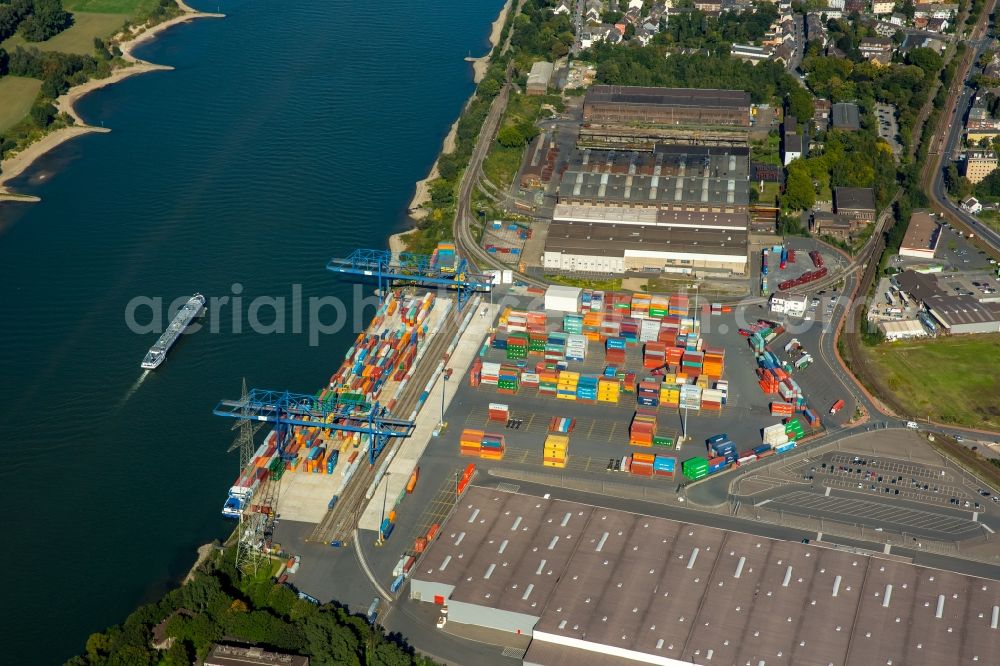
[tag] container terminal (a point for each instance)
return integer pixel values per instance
(466, 396)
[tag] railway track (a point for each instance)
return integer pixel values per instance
(339, 523)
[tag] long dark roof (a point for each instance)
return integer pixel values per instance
(614, 239)
(688, 97)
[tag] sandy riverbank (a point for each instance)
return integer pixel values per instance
(14, 165)
(422, 193)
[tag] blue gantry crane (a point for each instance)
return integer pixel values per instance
(386, 267)
(348, 414)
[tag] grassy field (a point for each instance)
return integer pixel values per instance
(110, 6)
(18, 94)
(78, 38)
(951, 380)
(990, 218)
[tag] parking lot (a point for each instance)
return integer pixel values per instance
(887, 127)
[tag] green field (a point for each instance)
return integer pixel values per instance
(78, 38)
(110, 6)
(951, 380)
(18, 94)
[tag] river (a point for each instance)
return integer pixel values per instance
(289, 133)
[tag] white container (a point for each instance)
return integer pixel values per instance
(562, 299)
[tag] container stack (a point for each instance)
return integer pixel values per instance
(692, 362)
(592, 325)
(725, 449)
(678, 305)
(793, 428)
(562, 425)
(790, 391)
(640, 306)
(654, 354)
(568, 383)
(717, 464)
(573, 323)
(774, 435)
(470, 442)
(663, 441)
(670, 394)
(555, 348)
(509, 380)
(476, 372)
(714, 362)
(690, 397)
(608, 390)
(499, 412)
(576, 347)
(643, 427)
(812, 418)
(782, 409)
(695, 468)
(555, 452)
(614, 351)
(517, 346)
(537, 342)
(711, 399)
(648, 393)
(516, 321)
(536, 322)
(630, 331)
(548, 383)
(723, 387)
(664, 466)
(659, 307)
(492, 447)
(642, 464)
(491, 373)
(649, 330)
(586, 389)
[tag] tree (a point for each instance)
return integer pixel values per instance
(800, 104)
(442, 193)
(490, 87)
(97, 646)
(510, 137)
(47, 18)
(178, 655)
(799, 192)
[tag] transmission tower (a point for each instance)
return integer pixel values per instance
(257, 515)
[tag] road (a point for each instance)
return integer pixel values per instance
(959, 101)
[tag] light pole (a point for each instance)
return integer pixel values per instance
(697, 324)
(385, 497)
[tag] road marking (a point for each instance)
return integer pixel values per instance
(819, 536)
(975, 516)
(987, 528)
(827, 493)
(763, 503)
(887, 548)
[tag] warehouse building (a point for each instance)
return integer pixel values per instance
(666, 106)
(954, 314)
(677, 208)
(845, 116)
(603, 587)
(921, 237)
(906, 329)
(855, 202)
(539, 78)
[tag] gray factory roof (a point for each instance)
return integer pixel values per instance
(718, 162)
(610, 585)
(653, 190)
(845, 116)
(918, 285)
(684, 97)
(854, 198)
(961, 310)
(664, 217)
(541, 73)
(614, 239)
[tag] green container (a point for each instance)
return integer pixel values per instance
(695, 468)
(663, 441)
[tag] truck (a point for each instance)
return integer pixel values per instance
(372, 614)
(837, 406)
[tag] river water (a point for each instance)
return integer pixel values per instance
(288, 134)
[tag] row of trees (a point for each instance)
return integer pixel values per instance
(695, 29)
(218, 605)
(37, 20)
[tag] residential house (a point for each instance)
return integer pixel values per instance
(815, 27)
(231, 655)
(881, 59)
(784, 53)
(884, 28)
(750, 53)
(592, 10)
(792, 148)
(873, 46)
(713, 7)
(564, 7)
(835, 4)
(935, 10)
(971, 205)
(880, 7)
(821, 113)
(937, 24)
(897, 19)
(854, 6)
(980, 124)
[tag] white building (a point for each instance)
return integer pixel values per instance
(793, 148)
(971, 205)
(902, 330)
(562, 298)
(793, 305)
(883, 6)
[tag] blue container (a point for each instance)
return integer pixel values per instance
(717, 438)
(397, 583)
(761, 449)
(332, 503)
(387, 528)
(788, 446)
(717, 466)
(491, 250)
(499, 344)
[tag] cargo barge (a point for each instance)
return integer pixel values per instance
(158, 352)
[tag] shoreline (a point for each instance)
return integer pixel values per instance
(15, 165)
(421, 194)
